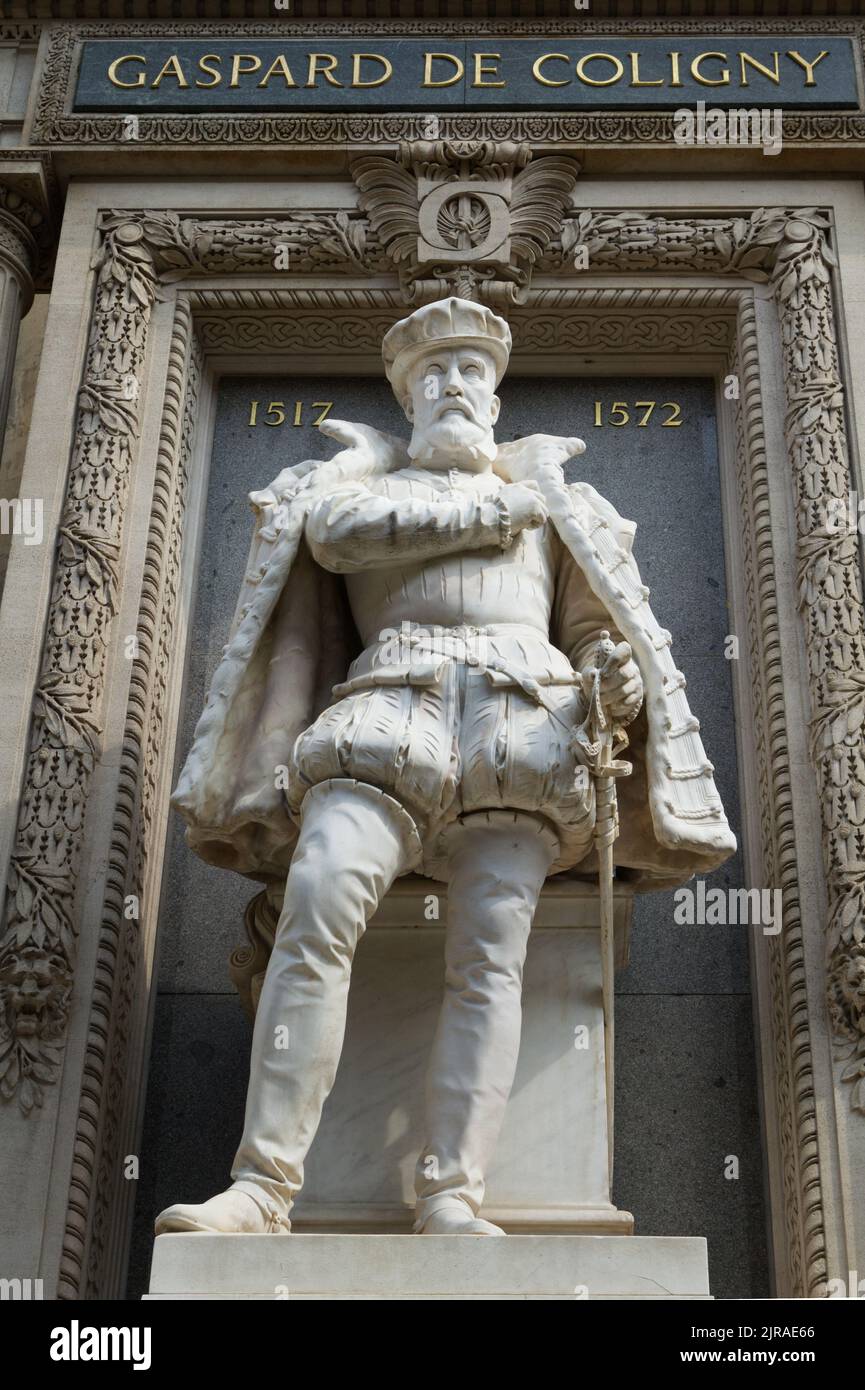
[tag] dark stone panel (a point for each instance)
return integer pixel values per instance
(194, 1116)
(686, 1100)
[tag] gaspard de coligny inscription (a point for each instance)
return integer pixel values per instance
(249, 74)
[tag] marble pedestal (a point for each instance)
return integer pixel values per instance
(549, 1185)
(428, 1267)
(551, 1169)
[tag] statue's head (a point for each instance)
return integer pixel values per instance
(444, 363)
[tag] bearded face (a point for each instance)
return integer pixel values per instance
(453, 407)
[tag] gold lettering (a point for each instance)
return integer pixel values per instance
(600, 81)
(809, 67)
(357, 81)
(237, 59)
(482, 71)
(636, 80)
(329, 63)
(278, 65)
(127, 58)
(675, 80)
(549, 81)
(746, 58)
(722, 81)
(172, 67)
(447, 81)
(203, 62)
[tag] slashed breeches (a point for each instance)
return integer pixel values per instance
(353, 843)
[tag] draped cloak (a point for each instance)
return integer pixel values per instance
(293, 639)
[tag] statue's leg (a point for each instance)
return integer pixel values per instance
(353, 842)
(498, 863)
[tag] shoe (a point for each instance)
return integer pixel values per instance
(456, 1219)
(233, 1211)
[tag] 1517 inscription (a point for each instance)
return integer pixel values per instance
(277, 409)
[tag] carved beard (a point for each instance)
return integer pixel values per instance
(450, 445)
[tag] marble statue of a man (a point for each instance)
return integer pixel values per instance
(401, 693)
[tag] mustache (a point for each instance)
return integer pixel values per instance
(456, 403)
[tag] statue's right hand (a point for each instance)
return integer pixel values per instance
(364, 446)
(526, 506)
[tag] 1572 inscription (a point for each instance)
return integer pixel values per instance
(619, 414)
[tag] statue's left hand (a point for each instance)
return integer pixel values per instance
(536, 454)
(621, 684)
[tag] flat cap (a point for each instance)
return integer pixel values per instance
(450, 322)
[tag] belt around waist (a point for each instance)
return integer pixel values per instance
(426, 659)
(451, 631)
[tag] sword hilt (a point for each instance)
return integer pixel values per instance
(597, 734)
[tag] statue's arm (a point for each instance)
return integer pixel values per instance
(578, 614)
(579, 618)
(355, 528)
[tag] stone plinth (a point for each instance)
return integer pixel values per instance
(428, 1267)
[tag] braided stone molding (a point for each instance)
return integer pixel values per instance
(314, 333)
(565, 320)
(307, 333)
(53, 124)
(559, 321)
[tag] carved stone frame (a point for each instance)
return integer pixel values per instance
(154, 265)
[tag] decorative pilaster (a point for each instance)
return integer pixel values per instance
(38, 944)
